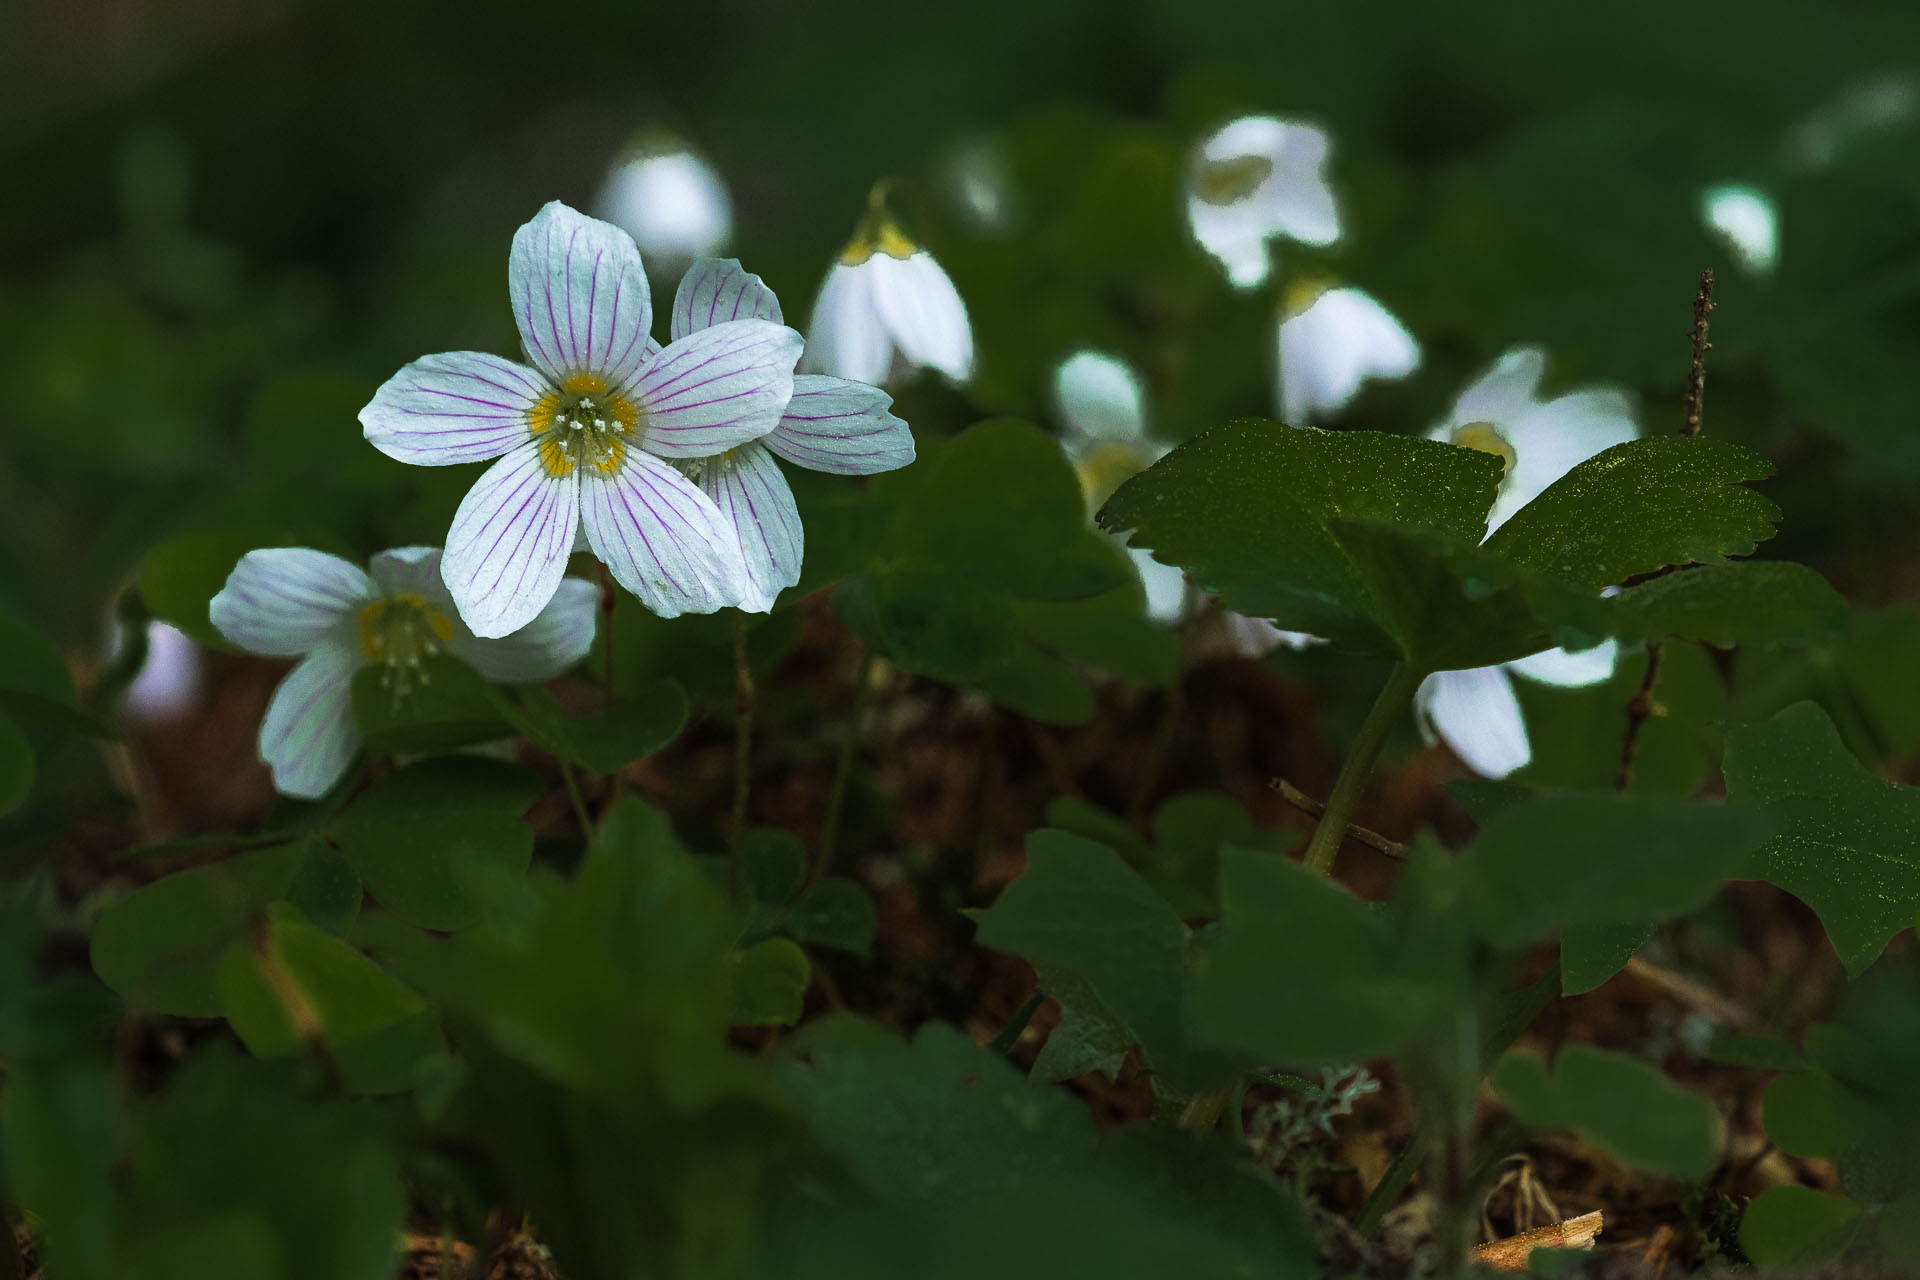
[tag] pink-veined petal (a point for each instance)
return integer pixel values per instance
(716, 290)
(580, 296)
(460, 406)
(557, 638)
(754, 497)
(283, 601)
(923, 313)
(716, 388)
(663, 539)
(1477, 713)
(842, 426)
(507, 549)
(408, 569)
(308, 737)
(846, 337)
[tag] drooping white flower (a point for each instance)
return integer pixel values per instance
(1476, 712)
(587, 435)
(830, 424)
(886, 309)
(295, 602)
(168, 682)
(1254, 179)
(1103, 407)
(1744, 218)
(670, 200)
(1329, 342)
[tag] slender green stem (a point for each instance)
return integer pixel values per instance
(843, 769)
(579, 801)
(1009, 1035)
(742, 735)
(1355, 773)
(607, 601)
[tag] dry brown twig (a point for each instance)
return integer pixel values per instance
(1511, 1254)
(1315, 809)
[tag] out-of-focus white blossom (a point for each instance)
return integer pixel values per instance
(1254, 179)
(670, 200)
(1744, 217)
(1329, 342)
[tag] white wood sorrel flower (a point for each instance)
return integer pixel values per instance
(885, 309)
(1254, 179)
(1476, 712)
(586, 432)
(830, 424)
(1329, 342)
(295, 602)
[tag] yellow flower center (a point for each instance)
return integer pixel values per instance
(1231, 180)
(400, 630)
(881, 235)
(1483, 436)
(583, 422)
(1107, 465)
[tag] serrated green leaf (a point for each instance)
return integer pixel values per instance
(1641, 506)
(1600, 859)
(1621, 1104)
(1753, 602)
(837, 912)
(420, 836)
(1799, 1227)
(1848, 844)
(1250, 509)
(770, 981)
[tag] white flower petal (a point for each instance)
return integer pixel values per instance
(754, 497)
(408, 569)
(1165, 584)
(557, 638)
(1292, 199)
(672, 203)
(580, 296)
(716, 388)
(507, 549)
(1566, 669)
(1552, 439)
(169, 681)
(923, 313)
(1331, 348)
(308, 737)
(460, 406)
(1500, 395)
(846, 337)
(282, 601)
(663, 539)
(1099, 396)
(1744, 217)
(1257, 637)
(1476, 713)
(716, 290)
(841, 426)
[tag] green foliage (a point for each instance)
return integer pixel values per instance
(1620, 1104)
(1848, 843)
(1799, 1227)
(770, 983)
(295, 986)
(1750, 602)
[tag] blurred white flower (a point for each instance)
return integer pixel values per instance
(975, 176)
(168, 683)
(1476, 712)
(295, 602)
(1253, 179)
(1329, 342)
(830, 424)
(670, 201)
(1851, 115)
(586, 433)
(1744, 217)
(1103, 406)
(886, 309)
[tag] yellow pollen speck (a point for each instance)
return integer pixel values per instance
(1484, 437)
(582, 421)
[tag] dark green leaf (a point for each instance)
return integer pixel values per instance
(1250, 510)
(1638, 507)
(1591, 954)
(1621, 1104)
(1087, 1038)
(297, 981)
(1762, 1053)
(773, 865)
(1848, 844)
(932, 625)
(770, 982)
(835, 913)
(419, 837)
(443, 705)
(1799, 1227)
(1809, 1113)
(16, 767)
(1754, 602)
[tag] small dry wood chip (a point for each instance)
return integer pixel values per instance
(1511, 1254)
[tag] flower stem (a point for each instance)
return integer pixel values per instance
(1358, 769)
(843, 769)
(742, 736)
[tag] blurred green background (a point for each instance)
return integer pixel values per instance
(225, 223)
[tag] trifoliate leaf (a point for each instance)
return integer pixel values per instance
(1638, 507)
(1620, 1104)
(1252, 510)
(773, 865)
(1848, 844)
(295, 983)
